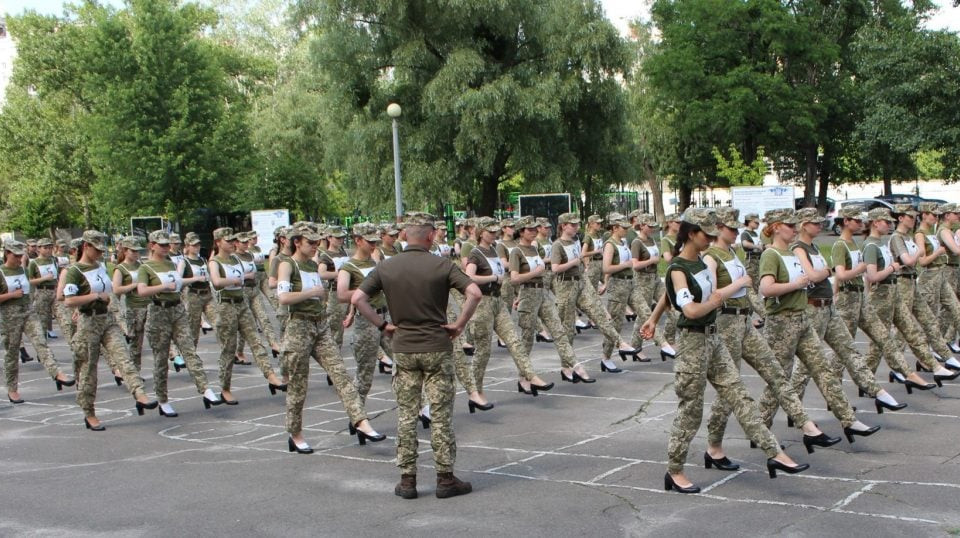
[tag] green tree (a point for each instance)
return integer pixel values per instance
(738, 172)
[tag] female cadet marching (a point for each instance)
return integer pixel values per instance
(160, 280)
(948, 234)
(592, 249)
(330, 262)
(196, 286)
(573, 292)
(646, 257)
(233, 314)
(743, 341)
(853, 267)
(932, 280)
(507, 242)
(251, 291)
(18, 318)
(826, 321)
(87, 288)
(487, 271)
(306, 334)
(618, 274)
(702, 356)
(526, 272)
(42, 272)
(789, 330)
(752, 246)
(667, 240)
(125, 275)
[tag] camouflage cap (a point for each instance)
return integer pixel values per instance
(249, 235)
(751, 216)
(224, 233)
(929, 207)
(729, 217)
(305, 232)
(366, 230)
(646, 219)
(489, 224)
(62, 243)
(15, 247)
(336, 231)
(904, 209)
(544, 222)
(526, 223)
(279, 230)
(785, 215)
(44, 242)
(95, 239)
(949, 208)
(192, 238)
(75, 243)
(811, 215)
(388, 228)
(508, 223)
(634, 214)
(159, 237)
(880, 213)
(702, 217)
(131, 242)
(469, 223)
(618, 219)
(175, 239)
(568, 218)
(426, 219)
(673, 217)
(852, 211)
(31, 242)
(595, 218)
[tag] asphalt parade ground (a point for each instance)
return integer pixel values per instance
(580, 460)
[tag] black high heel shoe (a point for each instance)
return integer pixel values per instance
(293, 447)
(177, 367)
(500, 343)
(148, 405)
(274, 388)
(61, 384)
(228, 402)
(575, 378)
(424, 421)
(624, 353)
(118, 380)
(363, 437)
(881, 405)
(669, 484)
(275, 353)
(773, 466)
(914, 385)
(664, 356)
(894, 378)
(939, 379)
(541, 388)
(329, 381)
(205, 330)
(722, 464)
(168, 415)
(541, 338)
(850, 432)
(17, 401)
(469, 351)
(921, 368)
(208, 402)
(823, 440)
(631, 317)
(609, 369)
(532, 391)
(24, 356)
(861, 393)
(640, 358)
(384, 367)
(473, 406)
(98, 428)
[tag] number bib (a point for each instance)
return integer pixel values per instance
(624, 253)
(736, 270)
(168, 277)
(572, 251)
(232, 271)
(18, 282)
(705, 281)
(534, 262)
(496, 266)
(48, 269)
(98, 280)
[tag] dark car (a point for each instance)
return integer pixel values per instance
(867, 203)
(911, 199)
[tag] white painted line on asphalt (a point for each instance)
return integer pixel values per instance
(615, 470)
(723, 481)
(853, 496)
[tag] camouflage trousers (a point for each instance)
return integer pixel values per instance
(367, 341)
(857, 311)
(231, 319)
(621, 293)
(832, 330)
(700, 358)
(94, 332)
(17, 320)
(492, 315)
(508, 294)
(308, 336)
(118, 309)
(418, 376)
(65, 319)
(951, 279)
(650, 288)
(940, 297)
(580, 294)
(43, 300)
(896, 302)
(793, 333)
(752, 263)
(135, 326)
(594, 272)
(166, 325)
(258, 307)
(534, 306)
(745, 342)
(198, 304)
(462, 366)
(336, 312)
(928, 322)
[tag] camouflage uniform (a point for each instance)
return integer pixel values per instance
(44, 293)
(646, 281)
(752, 256)
(622, 291)
(255, 300)
(508, 292)
(135, 313)
(430, 376)
(17, 320)
(593, 251)
(197, 295)
(336, 311)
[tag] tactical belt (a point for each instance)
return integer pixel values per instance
(167, 304)
(705, 329)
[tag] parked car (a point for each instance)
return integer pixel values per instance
(911, 199)
(867, 203)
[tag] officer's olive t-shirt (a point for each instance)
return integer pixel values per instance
(593, 246)
(774, 262)
(305, 275)
(644, 249)
(505, 247)
(562, 251)
(154, 273)
(931, 242)
(417, 286)
(488, 263)
(952, 259)
(667, 242)
(129, 273)
(15, 279)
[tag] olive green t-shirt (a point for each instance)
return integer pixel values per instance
(621, 253)
(466, 246)
(699, 285)
(667, 242)
(752, 237)
(130, 273)
(774, 262)
(13, 279)
(39, 267)
(388, 252)
(546, 247)
(902, 244)
(194, 267)
(877, 253)
(229, 267)
(524, 258)
(822, 289)
(359, 270)
(504, 247)
(86, 279)
(249, 266)
(643, 250)
(593, 246)
(304, 275)
(931, 242)
(847, 254)
(563, 251)
(952, 259)
(275, 263)
(488, 263)
(154, 273)
(729, 267)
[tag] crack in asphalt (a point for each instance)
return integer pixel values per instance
(642, 410)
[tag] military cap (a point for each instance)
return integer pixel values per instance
(131, 242)
(366, 230)
(159, 237)
(785, 215)
(489, 224)
(751, 216)
(525, 223)
(508, 223)
(31, 242)
(544, 222)
(702, 217)
(880, 213)
(95, 239)
(568, 218)
(729, 217)
(279, 231)
(224, 233)
(336, 231)
(192, 238)
(904, 209)
(810, 214)
(646, 219)
(618, 219)
(15, 247)
(929, 207)
(388, 229)
(305, 232)
(949, 208)
(673, 217)
(470, 223)
(75, 243)
(62, 243)
(852, 211)
(595, 218)
(44, 242)
(426, 219)
(634, 214)
(175, 239)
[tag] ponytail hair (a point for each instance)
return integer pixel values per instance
(683, 235)
(770, 229)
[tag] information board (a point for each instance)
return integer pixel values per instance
(264, 222)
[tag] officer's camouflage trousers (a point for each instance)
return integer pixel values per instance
(857, 311)
(534, 306)
(745, 342)
(430, 376)
(895, 302)
(258, 307)
(306, 337)
(580, 294)
(928, 322)
(793, 333)
(18, 320)
(234, 318)
(198, 305)
(367, 341)
(336, 312)
(492, 315)
(118, 309)
(135, 326)
(752, 263)
(94, 332)
(43, 300)
(833, 332)
(650, 288)
(701, 358)
(166, 325)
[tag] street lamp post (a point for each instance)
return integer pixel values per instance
(394, 111)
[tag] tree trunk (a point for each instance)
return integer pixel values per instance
(655, 191)
(685, 194)
(489, 193)
(887, 180)
(810, 177)
(825, 171)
